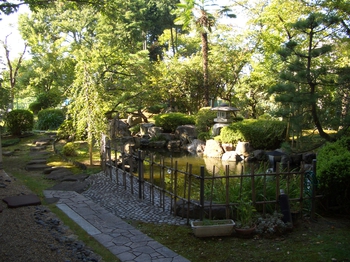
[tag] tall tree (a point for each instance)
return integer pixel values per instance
(198, 13)
(13, 68)
(309, 76)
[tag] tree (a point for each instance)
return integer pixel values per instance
(11, 76)
(308, 80)
(191, 12)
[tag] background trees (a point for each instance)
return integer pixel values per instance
(292, 59)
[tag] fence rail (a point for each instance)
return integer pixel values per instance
(189, 195)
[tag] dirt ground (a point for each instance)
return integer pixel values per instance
(33, 233)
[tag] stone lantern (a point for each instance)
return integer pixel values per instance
(225, 116)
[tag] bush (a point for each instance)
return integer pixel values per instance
(66, 130)
(19, 121)
(333, 173)
(50, 119)
(205, 119)
(261, 134)
(69, 149)
(48, 99)
(169, 122)
(35, 107)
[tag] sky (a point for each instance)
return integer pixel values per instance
(8, 26)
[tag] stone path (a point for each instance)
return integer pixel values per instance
(125, 205)
(122, 239)
(100, 211)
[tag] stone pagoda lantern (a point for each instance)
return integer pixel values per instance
(225, 116)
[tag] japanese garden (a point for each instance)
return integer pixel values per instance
(257, 92)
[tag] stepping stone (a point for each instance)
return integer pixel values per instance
(37, 161)
(37, 148)
(36, 167)
(8, 153)
(42, 143)
(59, 174)
(81, 177)
(23, 200)
(52, 168)
(76, 186)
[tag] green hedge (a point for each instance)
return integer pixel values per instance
(205, 120)
(333, 173)
(50, 119)
(261, 134)
(169, 122)
(19, 121)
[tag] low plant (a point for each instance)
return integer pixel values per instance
(19, 121)
(263, 134)
(245, 214)
(69, 149)
(205, 120)
(271, 225)
(50, 119)
(333, 173)
(169, 122)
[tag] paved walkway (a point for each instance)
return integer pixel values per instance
(99, 211)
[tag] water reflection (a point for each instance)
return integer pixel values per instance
(212, 165)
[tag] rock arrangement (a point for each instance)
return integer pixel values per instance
(76, 249)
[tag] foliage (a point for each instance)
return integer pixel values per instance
(309, 73)
(50, 119)
(48, 99)
(169, 122)
(19, 121)
(35, 107)
(69, 149)
(9, 142)
(204, 136)
(261, 134)
(205, 119)
(333, 172)
(271, 225)
(66, 130)
(245, 214)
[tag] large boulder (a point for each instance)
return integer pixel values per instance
(243, 148)
(197, 146)
(133, 120)
(144, 128)
(213, 149)
(119, 128)
(232, 156)
(154, 131)
(186, 133)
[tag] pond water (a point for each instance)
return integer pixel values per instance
(184, 158)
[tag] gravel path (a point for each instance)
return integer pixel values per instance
(33, 233)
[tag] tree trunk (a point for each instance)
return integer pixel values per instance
(205, 68)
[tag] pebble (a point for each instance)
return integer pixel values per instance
(78, 249)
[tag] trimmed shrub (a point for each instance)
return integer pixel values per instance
(69, 149)
(66, 130)
(50, 119)
(261, 134)
(48, 99)
(35, 107)
(205, 119)
(19, 121)
(333, 173)
(169, 122)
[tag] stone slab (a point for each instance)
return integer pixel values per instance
(90, 229)
(23, 200)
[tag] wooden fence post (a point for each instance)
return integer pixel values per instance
(140, 167)
(201, 192)
(313, 194)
